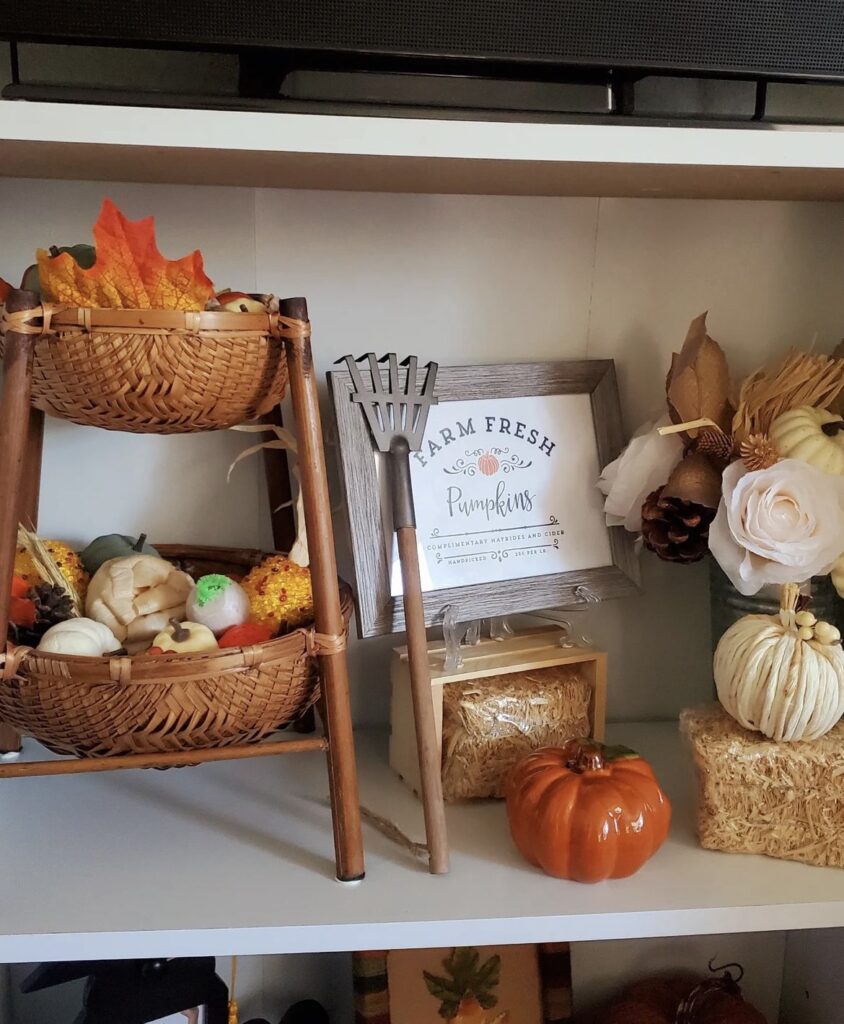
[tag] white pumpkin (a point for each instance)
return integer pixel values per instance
(782, 675)
(136, 596)
(811, 435)
(83, 637)
(836, 575)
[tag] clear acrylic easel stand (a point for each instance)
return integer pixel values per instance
(457, 634)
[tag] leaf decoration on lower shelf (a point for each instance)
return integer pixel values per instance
(129, 272)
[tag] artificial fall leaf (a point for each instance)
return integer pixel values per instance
(698, 384)
(5, 288)
(694, 479)
(129, 272)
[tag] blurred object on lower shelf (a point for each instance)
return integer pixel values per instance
(684, 998)
(508, 697)
(306, 1011)
(140, 991)
(755, 795)
(529, 984)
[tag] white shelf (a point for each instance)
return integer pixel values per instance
(77, 141)
(236, 858)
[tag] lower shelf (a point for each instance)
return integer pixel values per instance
(237, 858)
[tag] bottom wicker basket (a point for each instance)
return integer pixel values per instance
(96, 707)
(758, 796)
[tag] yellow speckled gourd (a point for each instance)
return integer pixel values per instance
(811, 435)
(69, 563)
(279, 594)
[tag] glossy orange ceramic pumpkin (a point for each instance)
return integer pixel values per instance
(587, 812)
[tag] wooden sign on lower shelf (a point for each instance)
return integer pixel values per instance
(509, 697)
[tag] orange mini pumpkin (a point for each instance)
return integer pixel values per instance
(586, 812)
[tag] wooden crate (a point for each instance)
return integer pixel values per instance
(528, 650)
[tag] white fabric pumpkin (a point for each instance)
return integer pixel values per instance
(811, 435)
(136, 596)
(83, 637)
(780, 678)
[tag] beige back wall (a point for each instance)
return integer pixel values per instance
(462, 280)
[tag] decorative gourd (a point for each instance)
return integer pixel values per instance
(782, 675)
(279, 594)
(650, 1000)
(83, 637)
(810, 435)
(240, 302)
(114, 545)
(218, 603)
(684, 999)
(136, 597)
(586, 812)
(246, 635)
(718, 1001)
(67, 561)
(184, 638)
(21, 605)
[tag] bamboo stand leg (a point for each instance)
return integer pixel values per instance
(14, 439)
(277, 473)
(342, 770)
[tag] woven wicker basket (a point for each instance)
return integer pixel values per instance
(153, 703)
(152, 371)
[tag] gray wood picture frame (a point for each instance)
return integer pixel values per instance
(378, 612)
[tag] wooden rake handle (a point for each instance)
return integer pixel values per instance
(430, 766)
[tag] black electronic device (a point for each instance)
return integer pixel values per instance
(609, 42)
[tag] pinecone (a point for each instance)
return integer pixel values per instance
(716, 444)
(758, 452)
(674, 529)
(52, 605)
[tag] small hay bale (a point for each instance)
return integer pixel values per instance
(757, 796)
(489, 724)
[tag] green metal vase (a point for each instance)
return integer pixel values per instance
(727, 605)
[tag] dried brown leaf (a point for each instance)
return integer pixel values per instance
(698, 383)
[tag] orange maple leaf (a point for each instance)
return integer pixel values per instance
(129, 272)
(5, 288)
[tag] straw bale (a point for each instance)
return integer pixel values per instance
(758, 796)
(489, 724)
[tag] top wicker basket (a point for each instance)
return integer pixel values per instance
(150, 371)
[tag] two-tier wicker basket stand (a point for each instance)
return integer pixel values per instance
(21, 430)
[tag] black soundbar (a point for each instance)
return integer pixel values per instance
(777, 39)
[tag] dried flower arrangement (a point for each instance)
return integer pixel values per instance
(759, 484)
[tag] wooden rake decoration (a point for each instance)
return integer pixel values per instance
(396, 414)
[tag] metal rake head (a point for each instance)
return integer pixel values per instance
(397, 410)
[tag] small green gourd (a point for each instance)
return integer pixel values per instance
(114, 545)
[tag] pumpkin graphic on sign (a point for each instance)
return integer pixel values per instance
(488, 464)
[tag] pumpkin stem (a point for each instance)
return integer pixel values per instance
(789, 598)
(180, 632)
(584, 756)
(139, 543)
(831, 429)
(726, 969)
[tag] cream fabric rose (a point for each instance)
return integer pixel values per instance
(778, 525)
(644, 465)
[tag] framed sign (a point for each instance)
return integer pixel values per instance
(508, 515)
(478, 984)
